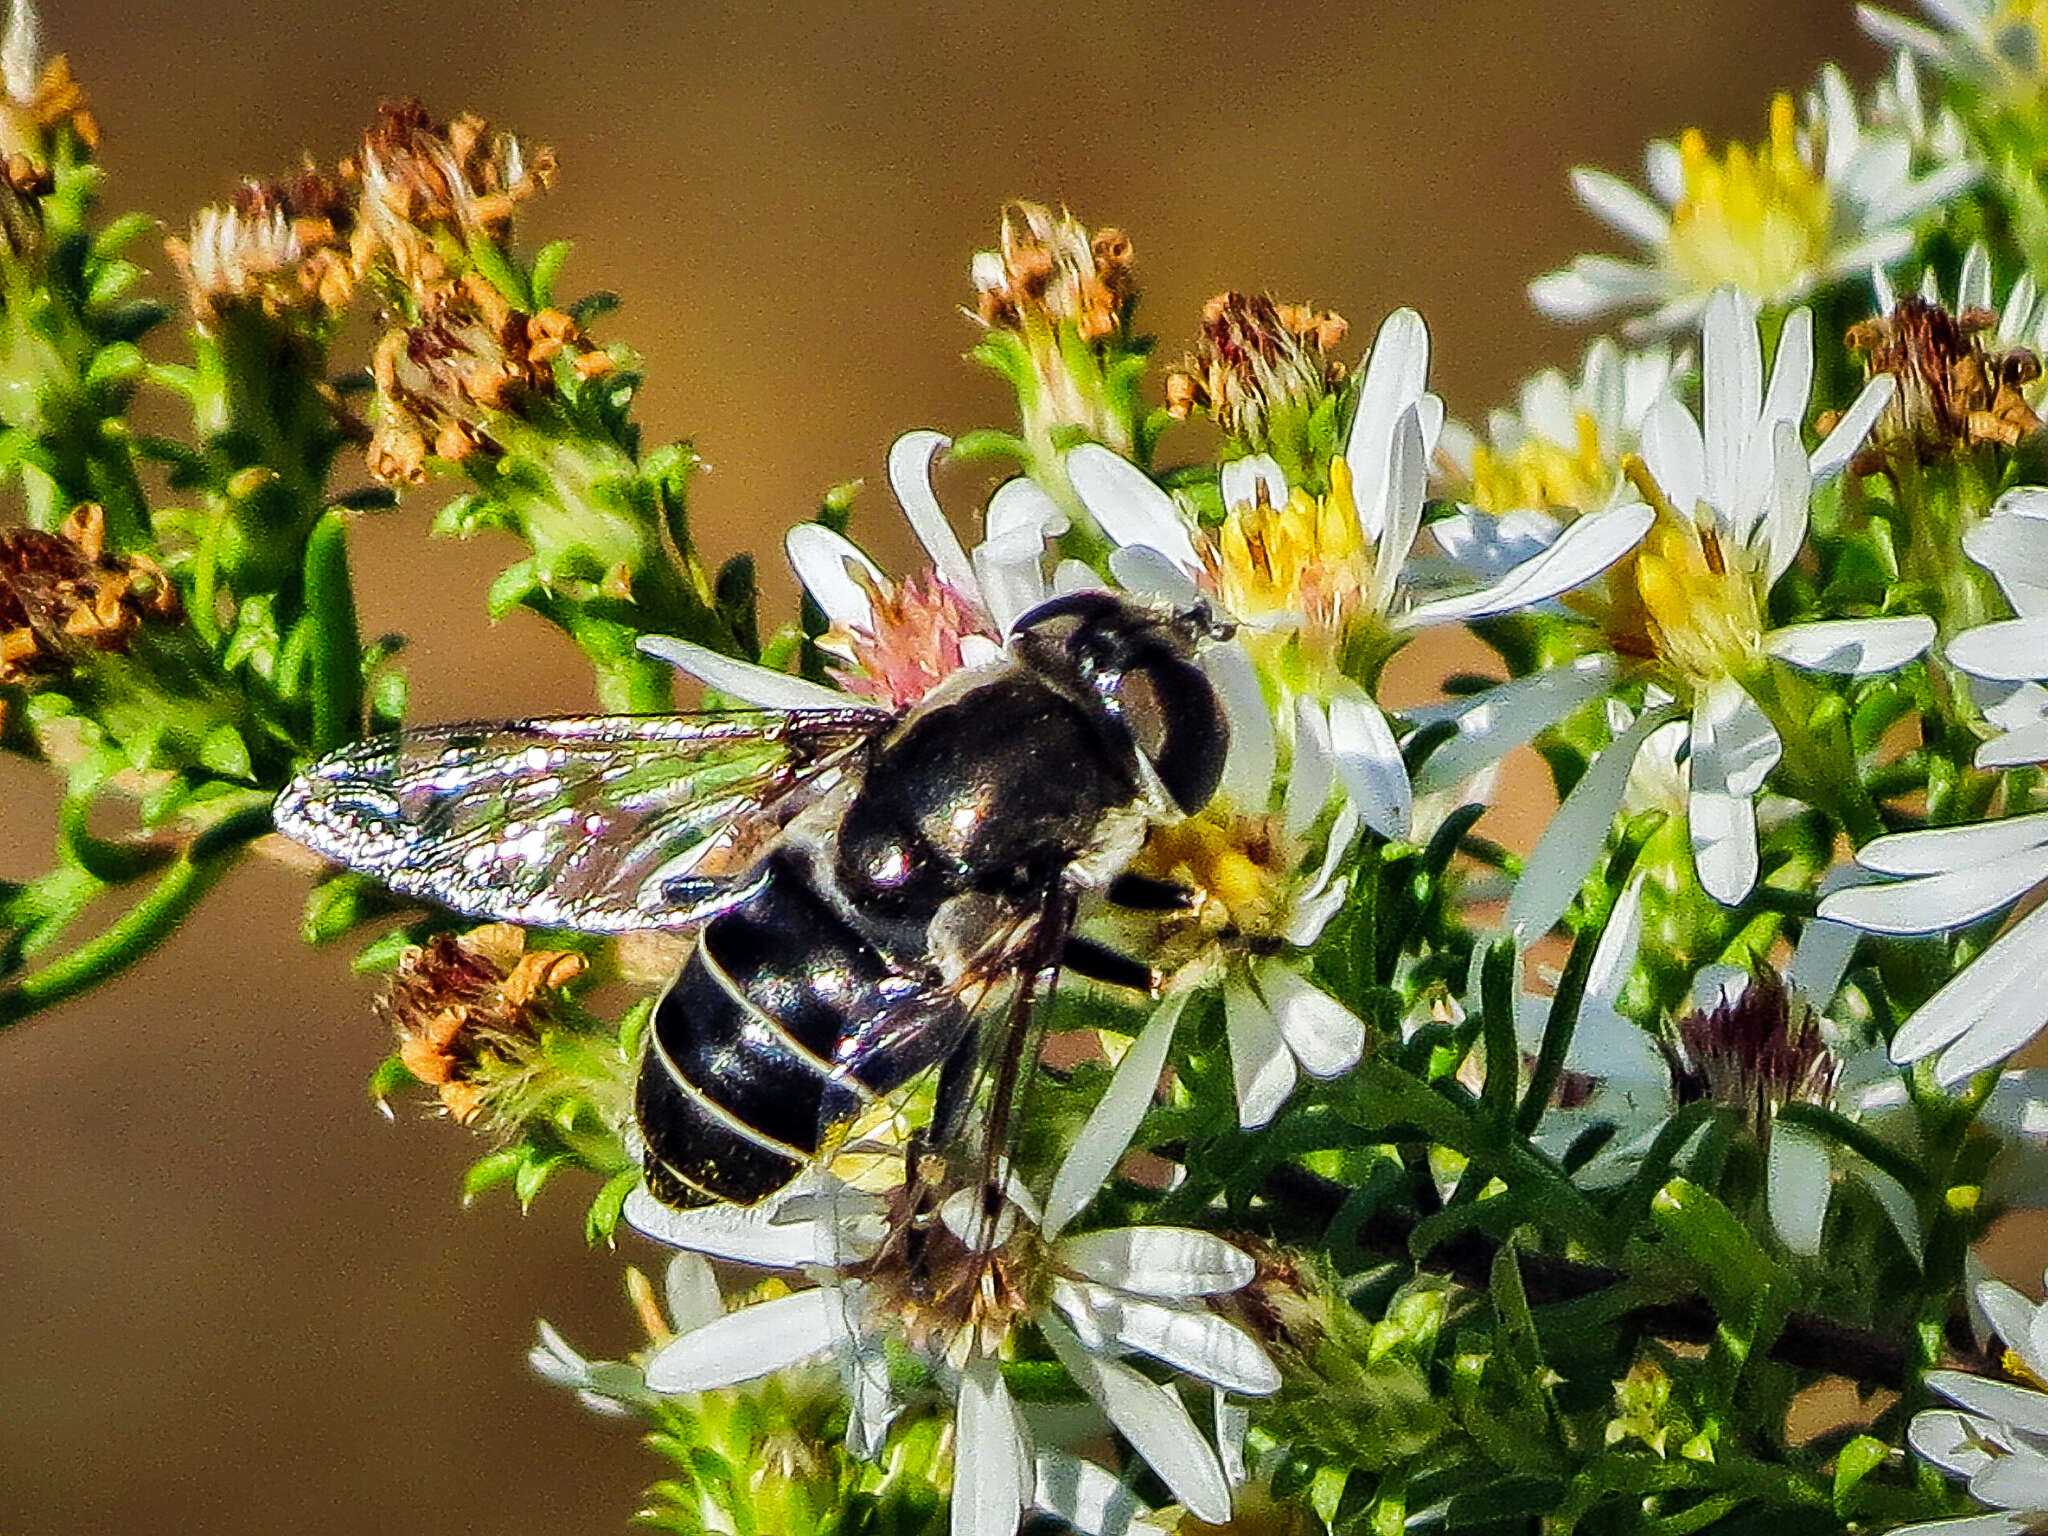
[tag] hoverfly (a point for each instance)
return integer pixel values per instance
(863, 881)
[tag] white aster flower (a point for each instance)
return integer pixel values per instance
(1687, 612)
(1263, 867)
(1949, 877)
(899, 639)
(1829, 193)
(1998, 1442)
(1304, 575)
(1559, 451)
(1994, 46)
(2008, 657)
(953, 1300)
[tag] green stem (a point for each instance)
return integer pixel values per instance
(143, 926)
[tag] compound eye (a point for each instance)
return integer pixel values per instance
(1174, 719)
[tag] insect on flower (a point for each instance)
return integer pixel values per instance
(865, 882)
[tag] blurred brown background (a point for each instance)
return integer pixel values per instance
(232, 1299)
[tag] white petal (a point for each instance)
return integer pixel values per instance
(1020, 504)
(1840, 445)
(1145, 572)
(1261, 1066)
(1157, 1261)
(1368, 764)
(1583, 550)
(1570, 845)
(1312, 771)
(1997, 1400)
(1734, 749)
(1785, 511)
(2019, 1481)
(1800, 1185)
(2010, 650)
(1128, 507)
(992, 1469)
(1501, 719)
(1154, 1422)
(1232, 1421)
(1853, 647)
(1393, 519)
(766, 1235)
(1193, 1340)
(1731, 388)
(751, 1342)
(1241, 479)
(1396, 373)
(1324, 1035)
(910, 477)
(1929, 903)
(1822, 955)
(1674, 453)
(2012, 544)
(1106, 1136)
(692, 1292)
(2000, 985)
(1249, 765)
(1609, 197)
(1939, 849)
(2027, 744)
(1791, 371)
(1973, 286)
(825, 562)
(1084, 1496)
(743, 680)
(1952, 1441)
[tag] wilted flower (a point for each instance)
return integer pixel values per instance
(1824, 196)
(426, 183)
(1953, 393)
(65, 594)
(1260, 369)
(280, 247)
(42, 98)
(467, 1011)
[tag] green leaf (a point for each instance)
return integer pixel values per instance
(514, 585)
(602, 1219)
(491, 1170)
(1734, 1270)
(1520, 1498)
(547, 266)
(1854, 1462)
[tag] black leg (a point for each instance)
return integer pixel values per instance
(1098, 962)
(1142, 893)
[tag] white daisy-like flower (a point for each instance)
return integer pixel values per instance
(1994, 46)
(1095, 1297)
(899, 639)
(1559, 451)
(1826, 195)
(1947, 877)
(1263, 866)
(1687, 611)
(1304, 574)
(1998, 1440)
(2009, 657)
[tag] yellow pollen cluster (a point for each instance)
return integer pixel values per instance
(1308, 557)
(1236, 865)
(1545, 476)
(1758, 218)
(1702, 601)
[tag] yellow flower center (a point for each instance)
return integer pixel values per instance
(1544, 476)
(1239, 868)
(1757, 218)
(1307, 560)
(1702, 600)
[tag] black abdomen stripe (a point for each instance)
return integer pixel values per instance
(754, 1052)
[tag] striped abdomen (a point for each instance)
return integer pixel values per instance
(783, 1024)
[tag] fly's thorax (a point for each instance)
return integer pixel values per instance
(1132, 670)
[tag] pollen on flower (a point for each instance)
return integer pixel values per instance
(1051, 271)
(466, 1011)
(1953, 394)
(916, 641)
(1240, 868)
(64, 594)
(1546, 476)
(1307, 559)
(1257, 361)
(1758, 218)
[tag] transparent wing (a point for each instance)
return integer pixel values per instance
(605, 823)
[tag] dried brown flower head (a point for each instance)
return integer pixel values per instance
(1755, 1050)
(1952, 394)
(65, 593)
(1051, 271)
(464, 1009)
(1255, 359)
(423, 180)
(284, 247)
